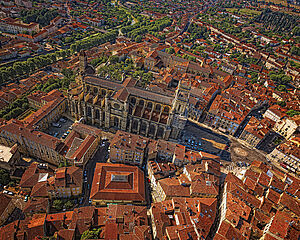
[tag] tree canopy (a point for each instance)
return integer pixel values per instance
(42, 16)
(277, 21)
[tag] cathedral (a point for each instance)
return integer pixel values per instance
(121, 105)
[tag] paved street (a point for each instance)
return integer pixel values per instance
(100, 156)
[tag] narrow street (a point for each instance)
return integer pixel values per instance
(99, 157)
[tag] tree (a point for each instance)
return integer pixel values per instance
(58, 204)
(170, 50)
(91, 234)
(18, 68)
(68, 73)
(138, 38)
(69, 204)
(113, 59)
(4, 177)
(281, 103)
(292, 113)
(295, 50)
(281, 88)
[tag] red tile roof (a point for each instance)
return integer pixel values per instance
(117, 182)
(8, 232)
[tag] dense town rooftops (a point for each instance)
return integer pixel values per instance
(34, 174)
(130, 142)
(17, 128)
(67, 177)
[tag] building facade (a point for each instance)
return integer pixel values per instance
(128, 148)
(123, 106)
(287, 126)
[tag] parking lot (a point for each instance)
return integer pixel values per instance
(61, 128)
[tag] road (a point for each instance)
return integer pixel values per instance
(255, 112)
(99, 157)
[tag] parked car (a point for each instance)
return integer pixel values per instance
(63, 120)
(56, 125)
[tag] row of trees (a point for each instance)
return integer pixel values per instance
(292, 113)
(277, 21)
(58, 83)
(14, 109)
(140, 29)
(91, 234)
(20, 105)
(93, 41)
(279, 77)
(99, 60)
(42, 16)
(25, 68)
(20, 69)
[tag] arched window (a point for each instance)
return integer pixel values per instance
(143, 127)
(158, 107)
(89, 112)
(152, 130)
(160, 132)
(149, 105)
(141, 103)
(133, 100)
(73, 107)
(116, 122)
(135, 124)
(166, 109)
(97, 114)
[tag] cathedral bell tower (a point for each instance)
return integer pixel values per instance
(82, 66)
(82, 61)
(179, 108)
(181, 100)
